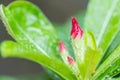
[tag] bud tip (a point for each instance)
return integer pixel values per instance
(62, 47)
(70, 60)
(76, 30)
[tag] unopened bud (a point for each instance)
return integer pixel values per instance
(62, 47)
(70, 60)
(76, 30)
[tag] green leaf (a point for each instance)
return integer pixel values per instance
(111, 70)
(87, 63)
(30, 28)
(89, 40)
(112, 46)
(87, 68)
(12, 49)
(104, 20)
(110, 65)
(116, 70)
(116, 79)
(101, 19)
(27, 25)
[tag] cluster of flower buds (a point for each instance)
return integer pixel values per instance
(64, 54)
(85, 52)
(68, 60)
(76, 33)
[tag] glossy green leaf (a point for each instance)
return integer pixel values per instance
(99, 15)
(27, 25)
(12, 49)
(89, 40)
(38, 40)
(87, 63)
(109, 65)
(104, 20)
(87, 68)
(115, 71)
(116, 78)
(111, 71)
(112, 46)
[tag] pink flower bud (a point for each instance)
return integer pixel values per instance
(62, 47)
(76, 29)
(70, 60)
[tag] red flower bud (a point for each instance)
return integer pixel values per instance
(76, 29)
(62, 47)
(70, 60)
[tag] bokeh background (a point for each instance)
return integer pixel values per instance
(57, 11)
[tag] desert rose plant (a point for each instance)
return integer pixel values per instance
(92, 51)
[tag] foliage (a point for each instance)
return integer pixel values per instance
(37, 39)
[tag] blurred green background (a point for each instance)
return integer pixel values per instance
(57, 11)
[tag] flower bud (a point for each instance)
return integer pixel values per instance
(70, 60)
(62, 47)
(74, 67)
(76, 30)
(64, 52)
